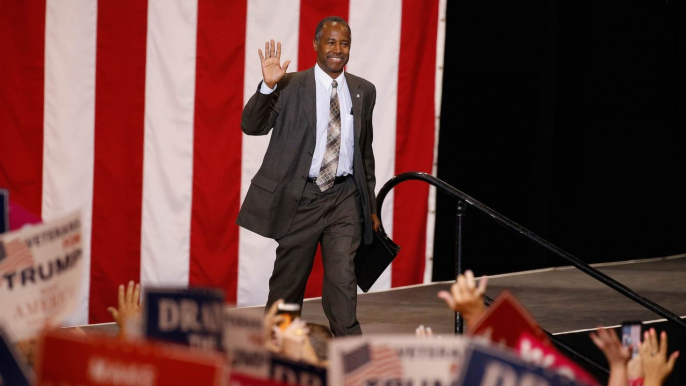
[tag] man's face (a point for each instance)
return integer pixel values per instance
(333, 48)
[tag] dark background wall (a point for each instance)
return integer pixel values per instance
(568, 117)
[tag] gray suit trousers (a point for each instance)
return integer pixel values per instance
(333, 218)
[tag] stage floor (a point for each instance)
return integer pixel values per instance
(561, 299)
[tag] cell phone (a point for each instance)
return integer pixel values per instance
(631, 335)
(290, 311)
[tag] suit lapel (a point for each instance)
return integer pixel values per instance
(308, 94)
(357, 96)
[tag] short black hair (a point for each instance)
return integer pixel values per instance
(332, 19)
(319, 338)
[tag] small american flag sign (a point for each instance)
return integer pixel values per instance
(14, 255)
(371, 362)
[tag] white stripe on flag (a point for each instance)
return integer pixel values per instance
(256, 254)
(168, 150)
(69, 107)
(431, 214)
(378, 63)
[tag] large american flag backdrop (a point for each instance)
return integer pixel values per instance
(129, 110)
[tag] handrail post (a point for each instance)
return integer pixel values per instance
(461, 207)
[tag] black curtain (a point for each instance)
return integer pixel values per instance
(568, 117)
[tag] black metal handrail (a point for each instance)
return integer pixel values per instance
(502, 220)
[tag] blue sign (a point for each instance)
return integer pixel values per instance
(191, 317)
(296, 373)
(13, 368)
(494, 367)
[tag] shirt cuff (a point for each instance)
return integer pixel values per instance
(264, 89)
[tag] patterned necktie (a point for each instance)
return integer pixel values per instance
(327, 173)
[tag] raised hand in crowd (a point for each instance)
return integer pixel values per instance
(466, 297)
(293, 342)
(423, 332)
(272, 71)
(656, 365)
(129, 307)
(617, 355)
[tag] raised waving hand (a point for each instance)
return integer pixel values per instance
(656, 365)
(272, 71)
(465, 297)
(616, 354)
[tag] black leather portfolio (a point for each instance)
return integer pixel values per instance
(371, 260)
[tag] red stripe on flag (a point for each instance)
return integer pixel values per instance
(22, 49)
(311, 12)
(118, 169)
(414, 136)
(217, 144)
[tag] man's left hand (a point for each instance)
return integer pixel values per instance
(376, 223)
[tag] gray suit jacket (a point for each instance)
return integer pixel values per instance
(275, 191)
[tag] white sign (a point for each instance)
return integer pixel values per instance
(244, 344)
(40, 275)
(396, 360)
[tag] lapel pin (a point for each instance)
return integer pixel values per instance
(358, 95)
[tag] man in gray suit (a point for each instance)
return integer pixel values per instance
(316, 182)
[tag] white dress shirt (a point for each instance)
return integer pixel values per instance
(345, 158)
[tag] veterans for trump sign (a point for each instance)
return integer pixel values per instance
(40, 275)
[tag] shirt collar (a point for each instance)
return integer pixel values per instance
(326, 80)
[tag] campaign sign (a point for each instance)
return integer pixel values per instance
(296, 373)
(65, 358)
(13, 368)
(488, 366)
(505, 320)
(191, 316)
(532, 350)
(395, 360)
(40, 275)
(4, 210)
(244, 343)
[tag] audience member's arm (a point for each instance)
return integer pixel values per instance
(656, 366)
(271, 320)
(129, 306)
(617, 355)
(465, 297)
